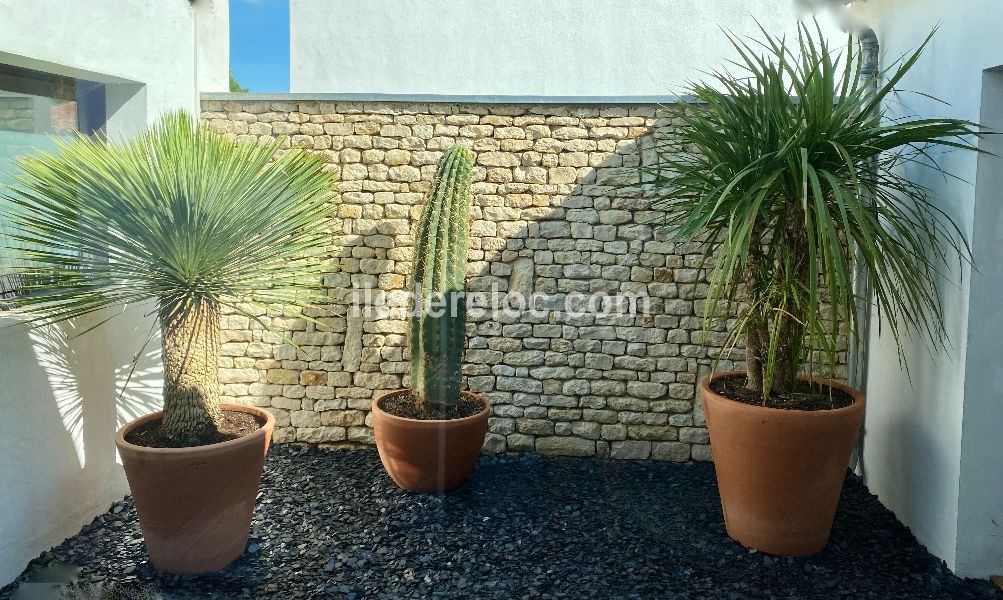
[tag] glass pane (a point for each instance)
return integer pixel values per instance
(37, 109)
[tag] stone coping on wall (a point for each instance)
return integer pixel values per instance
(449, 98)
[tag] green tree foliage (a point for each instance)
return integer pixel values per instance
(234, 86)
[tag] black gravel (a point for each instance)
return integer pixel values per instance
(331, 524)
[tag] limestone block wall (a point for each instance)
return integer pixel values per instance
(550, 217)
(16, 113)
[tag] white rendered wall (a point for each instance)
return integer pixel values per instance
(933, 451)
(518, 47)
(58, 467)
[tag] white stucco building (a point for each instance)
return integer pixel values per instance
(135, 60)
(527, 48)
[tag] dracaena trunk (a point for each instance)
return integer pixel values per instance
(786, 359)
(769, 318)
(756, 340)
(191, 349)
(757, 332)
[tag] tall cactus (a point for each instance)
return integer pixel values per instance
(439, 309)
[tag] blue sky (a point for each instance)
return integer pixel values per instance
(259, 44)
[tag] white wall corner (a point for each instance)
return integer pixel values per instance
(212, 31)
(980, 505)
(931, 450)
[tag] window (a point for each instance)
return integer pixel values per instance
(36, 109)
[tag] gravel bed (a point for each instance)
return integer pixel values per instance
(331, 524)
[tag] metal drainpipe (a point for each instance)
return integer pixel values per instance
(857, 357)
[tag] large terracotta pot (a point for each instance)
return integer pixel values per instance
(195, 504)
(429, 456)
(780, 472)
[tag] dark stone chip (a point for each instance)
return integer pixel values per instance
(332, 524)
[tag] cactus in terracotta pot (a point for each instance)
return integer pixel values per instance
(429, 436)
(437, 322)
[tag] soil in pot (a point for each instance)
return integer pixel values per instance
(236, 424)
(806, 395)
(402, 404)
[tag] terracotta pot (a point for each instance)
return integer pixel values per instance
(780, 472)
(429, 456)
(195, 504)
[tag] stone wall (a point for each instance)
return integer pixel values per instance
(550, 216)
(16, 113)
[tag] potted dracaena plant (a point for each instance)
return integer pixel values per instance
(429, 435)
(785, 171)
(181, 222)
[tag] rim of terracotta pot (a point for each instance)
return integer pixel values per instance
(251, 438)
(859, 399)
(432, 422)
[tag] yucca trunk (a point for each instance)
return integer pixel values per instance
(191, 349)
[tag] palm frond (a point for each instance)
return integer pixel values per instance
(788, 166)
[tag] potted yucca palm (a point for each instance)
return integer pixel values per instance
(786, 171)
(429, 435)
(181, 222)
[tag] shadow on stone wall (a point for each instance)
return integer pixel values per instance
(556, 211)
